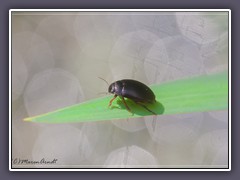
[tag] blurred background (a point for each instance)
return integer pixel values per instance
(57, 58)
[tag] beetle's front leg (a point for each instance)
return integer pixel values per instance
(110, 103)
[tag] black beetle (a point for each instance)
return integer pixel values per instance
(134, 90)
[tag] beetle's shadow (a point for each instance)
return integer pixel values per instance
(157, 107)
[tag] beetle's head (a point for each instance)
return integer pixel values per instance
(116, 88)
(111, 88)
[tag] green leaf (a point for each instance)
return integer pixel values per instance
(197, 94)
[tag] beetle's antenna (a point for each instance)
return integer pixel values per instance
(107, 84)
(104, 80)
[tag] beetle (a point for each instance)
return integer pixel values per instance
(134, 90)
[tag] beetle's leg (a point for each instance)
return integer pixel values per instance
(145, 107)
(110, 103)
(124, 102)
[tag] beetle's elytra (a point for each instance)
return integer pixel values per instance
(134, 90)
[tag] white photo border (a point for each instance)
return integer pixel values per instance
(120, 169)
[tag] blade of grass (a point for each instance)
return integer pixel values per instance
(198, 94)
